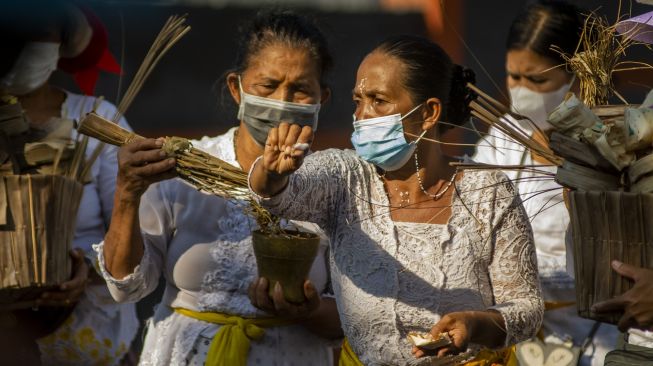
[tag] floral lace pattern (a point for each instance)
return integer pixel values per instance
(388, 282)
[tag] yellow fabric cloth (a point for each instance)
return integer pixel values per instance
(554, 305)
(347, 356)
(230, 345)
(486, 357)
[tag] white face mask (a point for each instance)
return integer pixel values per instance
(32, 68)
(536, 105)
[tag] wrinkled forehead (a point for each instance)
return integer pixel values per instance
(282, 62)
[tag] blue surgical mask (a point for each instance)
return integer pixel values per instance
(381, 141)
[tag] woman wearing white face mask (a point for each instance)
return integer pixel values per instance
(201, 243)
(46, 35)
(536, 87)
(415, 246)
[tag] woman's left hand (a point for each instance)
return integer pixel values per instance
(70, 291)
(459, 327)
(486, 328)
(277, 304)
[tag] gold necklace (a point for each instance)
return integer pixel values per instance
(441, 191)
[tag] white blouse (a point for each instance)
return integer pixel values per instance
(393, 277)
(202, 245)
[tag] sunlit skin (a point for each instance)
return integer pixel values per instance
(379, 91)
(276, 72)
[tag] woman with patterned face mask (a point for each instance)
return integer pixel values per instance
(201, 243)
(414, 245)
(536, 87)
(46, 36)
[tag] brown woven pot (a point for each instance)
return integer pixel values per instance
(37, 225)
(286, 259)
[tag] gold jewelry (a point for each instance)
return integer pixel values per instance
(441, 191)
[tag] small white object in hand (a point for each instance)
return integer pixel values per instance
(301, 146)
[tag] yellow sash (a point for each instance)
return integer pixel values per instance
(347, 356)
(485, 357)
(230, 345)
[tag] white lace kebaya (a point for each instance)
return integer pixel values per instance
(393, 277)
(202, 245)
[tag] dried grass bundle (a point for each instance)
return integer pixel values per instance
(204, 171)
(602, 49)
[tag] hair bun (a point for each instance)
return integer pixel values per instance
(460, 95)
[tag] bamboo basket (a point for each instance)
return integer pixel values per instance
(36, 235)
(285, 258)
(607, 226)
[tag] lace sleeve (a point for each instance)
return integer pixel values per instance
(313, 192)
(513, 270)
(156, 228)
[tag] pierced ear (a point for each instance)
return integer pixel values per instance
(432, 112)
(233, 85)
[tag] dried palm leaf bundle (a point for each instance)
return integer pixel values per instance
(41, 185)
(607, 222)
(639, 125)
(572, 117)
(204, 171)
(608, 225)
(37, 226)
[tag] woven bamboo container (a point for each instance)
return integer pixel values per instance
(287, 259)
(36, 233)
(607, 226)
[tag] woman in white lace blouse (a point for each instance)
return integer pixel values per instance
(201, 244)
(414, 245)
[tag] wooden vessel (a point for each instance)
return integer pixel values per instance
(606, 226)
(38, 214)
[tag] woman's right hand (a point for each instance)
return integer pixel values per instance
(141, 163)
(286, 147)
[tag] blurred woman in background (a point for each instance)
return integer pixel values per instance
(538, 82)
(46, 35)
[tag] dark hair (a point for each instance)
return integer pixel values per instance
(430, 73)
(282, 26)
(544, 24)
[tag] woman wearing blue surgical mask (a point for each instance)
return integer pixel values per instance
(536, 87)
(202, 244)
(415, 246)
